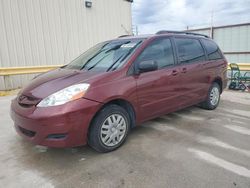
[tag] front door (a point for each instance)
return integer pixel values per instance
(157, 91)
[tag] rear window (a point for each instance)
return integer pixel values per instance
(212, 49)
(189, 50)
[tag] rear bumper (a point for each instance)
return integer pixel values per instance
(59, 126)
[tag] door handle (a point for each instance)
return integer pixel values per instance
(174, 72)
(184, 70)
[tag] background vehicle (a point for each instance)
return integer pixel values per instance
(117, 85)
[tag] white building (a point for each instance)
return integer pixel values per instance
(234, 40)
(53, 32)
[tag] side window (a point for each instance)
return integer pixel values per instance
(189, 50)
(212, 49)
(160, 51)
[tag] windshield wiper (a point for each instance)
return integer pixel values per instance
(116, 47)
(96, 63)
(107, 50)
(87, 62)
(114, 63)
(122, 57)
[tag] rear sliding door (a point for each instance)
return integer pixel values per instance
(193, 76)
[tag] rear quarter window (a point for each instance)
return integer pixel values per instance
(212, 49)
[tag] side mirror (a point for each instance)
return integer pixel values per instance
(146, 66)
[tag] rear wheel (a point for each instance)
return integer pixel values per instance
(109, 128)
(213, 97)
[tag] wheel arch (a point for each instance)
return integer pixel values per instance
(123, 103)
(127, 106)
(218, 80)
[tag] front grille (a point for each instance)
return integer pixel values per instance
(27, 132)
(26, 105)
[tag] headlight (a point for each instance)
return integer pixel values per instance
(65, 95)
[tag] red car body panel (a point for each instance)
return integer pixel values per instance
(71, 120)
(56, 80)
(184, 85)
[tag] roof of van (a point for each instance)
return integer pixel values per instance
(164, 32)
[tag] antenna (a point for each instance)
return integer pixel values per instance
(125, 29)
(212, 20)
(136, 30)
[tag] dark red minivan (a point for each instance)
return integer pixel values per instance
(98, 97)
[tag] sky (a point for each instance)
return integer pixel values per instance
(151, 16)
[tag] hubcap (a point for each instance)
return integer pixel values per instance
(113, 130)
(214, 96)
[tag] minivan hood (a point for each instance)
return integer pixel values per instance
(55, 80)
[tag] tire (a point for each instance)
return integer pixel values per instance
(232, 85)
(213, 97)
(242, 87)
(109, 129)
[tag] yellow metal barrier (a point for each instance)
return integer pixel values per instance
(9, 92)
(7, 71)
(40, 69)
(242, 66)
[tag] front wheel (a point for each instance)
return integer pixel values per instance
(109, 128)
(213, 97)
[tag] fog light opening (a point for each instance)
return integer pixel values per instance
(56, 136)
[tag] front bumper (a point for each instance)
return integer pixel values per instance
(59, 126)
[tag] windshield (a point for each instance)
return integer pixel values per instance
(107, 56)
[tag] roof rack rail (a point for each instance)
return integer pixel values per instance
(124, 36)
(181, 32)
